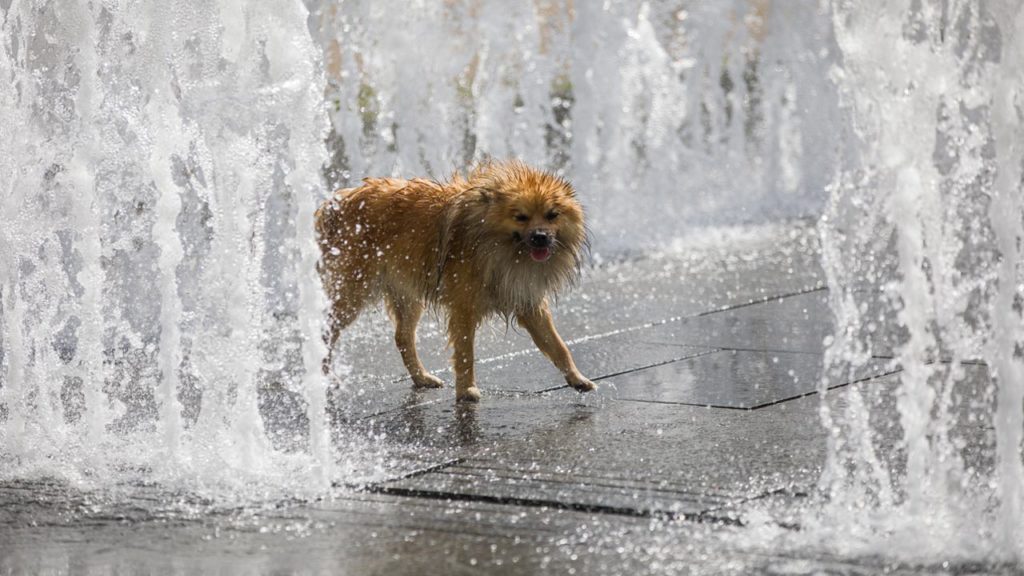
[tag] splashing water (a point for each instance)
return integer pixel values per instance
(159, 314)
(161, 165)
(922, 244)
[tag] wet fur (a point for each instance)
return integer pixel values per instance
(456, 246)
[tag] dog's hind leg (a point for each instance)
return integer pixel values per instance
(541, 327)
(347, 301)
(405, 313)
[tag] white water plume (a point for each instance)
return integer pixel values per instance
(162, 163)
(664, 114)
(924, 227)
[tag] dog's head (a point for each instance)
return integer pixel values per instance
(523, 227)
(534, 213)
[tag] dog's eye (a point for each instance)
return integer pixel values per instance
(521, 217)
(551, 215)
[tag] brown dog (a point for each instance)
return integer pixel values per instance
(499, 240)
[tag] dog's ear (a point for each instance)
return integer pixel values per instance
(485, 195)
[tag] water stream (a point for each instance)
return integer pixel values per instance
(923, 247)
(161, 165)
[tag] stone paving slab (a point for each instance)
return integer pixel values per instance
(795, 323)
(743, 379)
(698, 450)
(546, 484)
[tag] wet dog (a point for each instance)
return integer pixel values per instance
(499, 240)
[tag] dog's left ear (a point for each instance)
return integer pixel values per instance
(485, 195)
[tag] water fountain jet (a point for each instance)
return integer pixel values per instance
(138, 236)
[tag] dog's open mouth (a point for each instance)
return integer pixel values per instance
(540, 254)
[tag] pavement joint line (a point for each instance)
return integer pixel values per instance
(672, 319)
(968, 362)
(761, 496)
(551, 389)
(369, 487)
(758, 406)
(765, 300)
(694, 496)
(692, 404)
(396, 409)
(662, 363)
(766, 494)
(469, 463)
(637, 369)
(668, 515)
(705, 516)
(723, 406)
(494, 393)
(428, 469)
(372, 519)
(365, 498)
(739, 349)
(836, 387)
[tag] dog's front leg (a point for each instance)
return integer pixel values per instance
(461, 334)
(541, 327)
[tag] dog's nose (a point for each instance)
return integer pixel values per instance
(540, 239)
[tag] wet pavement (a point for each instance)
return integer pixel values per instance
(706, 414)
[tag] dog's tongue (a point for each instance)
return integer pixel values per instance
(540, 254)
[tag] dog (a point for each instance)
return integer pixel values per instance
(500, 239)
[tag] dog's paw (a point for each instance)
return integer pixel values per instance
(471, 394)
(427, 381)
(581, 384)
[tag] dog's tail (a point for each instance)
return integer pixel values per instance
(327, 219)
